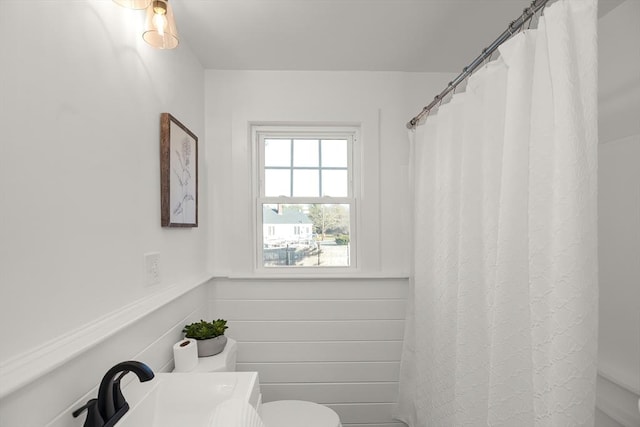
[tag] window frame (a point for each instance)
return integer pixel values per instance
(351, 133)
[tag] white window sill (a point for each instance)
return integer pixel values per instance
(312, 276)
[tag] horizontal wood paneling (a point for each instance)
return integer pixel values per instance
(339, 289)
(314, 372)
(328, 393)
(50, 399)
(347, 351)
(333, 341)
(347, 330)
(262, 310)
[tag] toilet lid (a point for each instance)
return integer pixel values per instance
(297, 413)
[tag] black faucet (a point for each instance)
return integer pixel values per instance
(111, 405)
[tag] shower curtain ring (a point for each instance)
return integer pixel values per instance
(531, 11)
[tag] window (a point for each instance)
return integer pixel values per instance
(306, 201)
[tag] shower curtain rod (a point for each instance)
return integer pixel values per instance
(514, 26)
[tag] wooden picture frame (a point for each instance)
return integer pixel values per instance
(178, 174)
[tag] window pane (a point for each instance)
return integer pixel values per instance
(305, 152)
(334, 153)
(277, 152)
(335, 183)
(306, 235)
(277, 182)
(306, 183)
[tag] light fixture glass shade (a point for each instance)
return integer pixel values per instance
(159, 26)
(134, 4)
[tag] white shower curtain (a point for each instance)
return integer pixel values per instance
(501, 327)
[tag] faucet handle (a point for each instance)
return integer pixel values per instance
(118, 398)
(94, 419)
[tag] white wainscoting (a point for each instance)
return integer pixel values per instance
(67, 384)
(333, 341)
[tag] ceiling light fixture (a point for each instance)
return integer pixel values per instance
(134, 4)
(160, 27)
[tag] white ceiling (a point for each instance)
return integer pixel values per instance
(372, 35)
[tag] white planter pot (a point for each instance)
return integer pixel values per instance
(211, 346)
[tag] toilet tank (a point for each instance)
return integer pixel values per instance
(221, 362)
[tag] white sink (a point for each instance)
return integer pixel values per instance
(185, 399)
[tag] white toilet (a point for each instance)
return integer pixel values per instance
(281, 413)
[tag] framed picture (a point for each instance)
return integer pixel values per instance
(178, 174)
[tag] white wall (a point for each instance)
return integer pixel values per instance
(619, 214)
(80, 101)
(619, 253)
(619, 72)
(380, 102)
(333, 340)
(620, 260)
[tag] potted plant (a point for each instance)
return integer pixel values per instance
(208, 335)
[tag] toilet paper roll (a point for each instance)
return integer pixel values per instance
(185, 355)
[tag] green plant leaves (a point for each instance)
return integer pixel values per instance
(203, 330)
